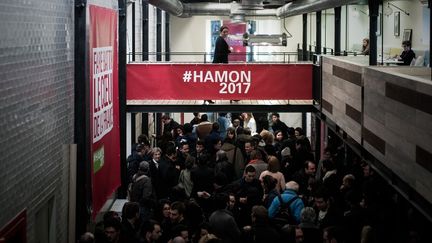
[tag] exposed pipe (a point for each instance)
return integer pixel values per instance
(179, 9)
(307, 6)
(174, 7)
(223, 9)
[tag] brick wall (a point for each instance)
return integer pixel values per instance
(36, 108)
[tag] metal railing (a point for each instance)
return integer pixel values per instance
(206, 57)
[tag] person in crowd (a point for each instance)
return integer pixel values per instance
(179, 135)
(257, 161)
(99, 233)
(300, 134)
(203, 178)
(204, 128)
(273, 170)
(327, 213)
(261, 231)
(311, 232)
(278, 142)
(289, 195)
(331, 179)
(249, 122)
(162, 215)
(182, 153)
(143, 140)
(223, 165)
(270, 191)
(302, 154)
(268, 139)
(141, 191)
(365, 47)
(224, 123)
(278, 125)
(154, 168)
(234, 154)
(222, 222)
(327, 155)
(407, 54)
(169, 172)
(200, 148)
(182, 231)
(87, 237)
(176, 217)
(333, 234)
(134, 160)
(303, 175)
(112, 228)
(169, 124)
(196, 119)
(249, 192)
(185, 180)
(151, 232)
(130, 222)
(249, 146)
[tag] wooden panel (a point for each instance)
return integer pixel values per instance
(353, 113)
(373, 140)
(327, 106)
(409, 97)
(347, 75)
(424, 158)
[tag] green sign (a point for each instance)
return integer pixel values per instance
(98, 159)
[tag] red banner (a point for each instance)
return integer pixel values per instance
(237, 45)
(219, 81)
(104, 104)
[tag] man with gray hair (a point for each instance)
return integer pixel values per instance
(311, 232)
(289, 200)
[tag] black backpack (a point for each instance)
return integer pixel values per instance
(284, 215)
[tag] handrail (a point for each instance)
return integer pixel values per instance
(207, 57)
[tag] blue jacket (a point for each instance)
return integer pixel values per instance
(296, 206)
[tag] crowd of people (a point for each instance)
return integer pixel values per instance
(221, 182)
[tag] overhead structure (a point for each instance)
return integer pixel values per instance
(240, 9)
(265, 40)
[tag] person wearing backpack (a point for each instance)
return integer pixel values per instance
(141, 191)
(286, 208)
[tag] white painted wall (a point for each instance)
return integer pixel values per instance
(192, 34)
(414, 21)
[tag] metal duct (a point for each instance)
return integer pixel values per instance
(307, 6)
(184, 10)
(215, 9)
(174, 7)
(222, 9)
(298, 7)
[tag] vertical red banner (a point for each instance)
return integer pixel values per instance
(104, 104)
(238, 52)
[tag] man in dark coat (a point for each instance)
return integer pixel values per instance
(169, 172)
(222, 222)
(248, 192)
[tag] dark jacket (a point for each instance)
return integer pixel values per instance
(407, 56)
(168, 177)
(221, 51)
(224, 226)
(235, 157)
(142, 190)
